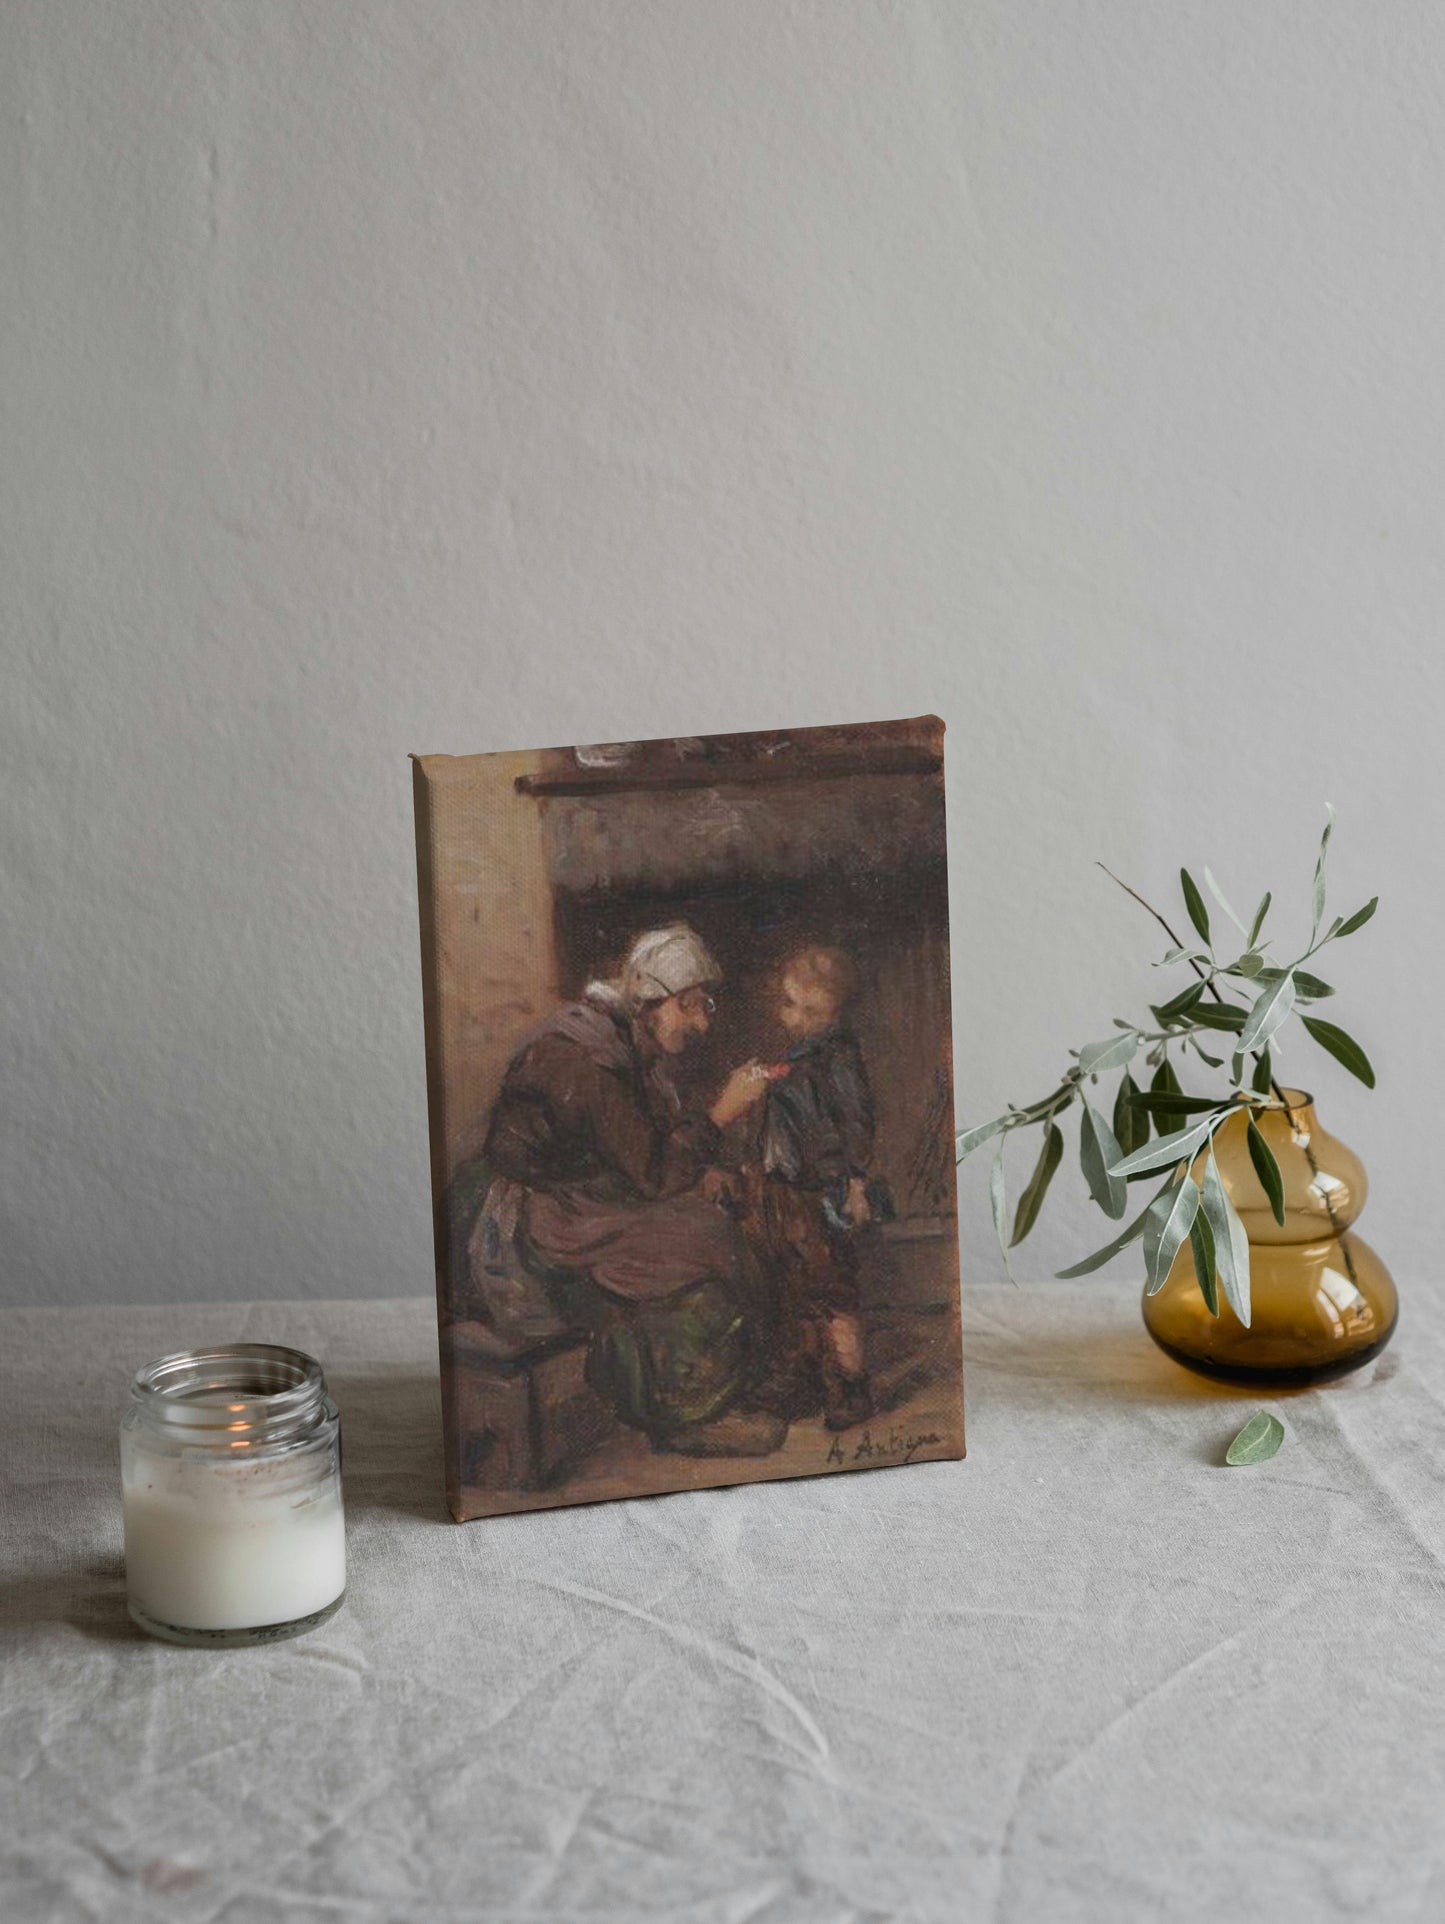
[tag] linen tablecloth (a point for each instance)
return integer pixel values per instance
(1087, 1673)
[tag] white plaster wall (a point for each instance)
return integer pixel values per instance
(378, 377)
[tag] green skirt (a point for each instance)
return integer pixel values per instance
(686, 1359)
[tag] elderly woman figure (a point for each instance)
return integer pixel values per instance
(613, 1206)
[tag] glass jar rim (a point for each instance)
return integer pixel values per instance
(233, 1395)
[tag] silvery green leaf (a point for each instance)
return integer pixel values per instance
(1342, 1047)
(1307, 987)
(1218, 893)
(1178, 1005)
(999, 1202)
(1231, 1245)
(1183, 955)
(1258, 923)
(1257, 1442)
(1268, 1013)
(1112, 1053)
(1194, 902)
(1225, 1016)
(1098, 1150)
(1131, 1123)
(1158, 1103)
(1164, 1083)
(1319, 888)
(1031, 1201)
(1059, 1098)
(971, 1139)
(1111, 1250)
(1358, 919)
(1250, 963)
(1237, 1067)
(1170, 1218)
(1267, 1169)
(1179, 1147)
(1215, 1062)
(1201, 1243)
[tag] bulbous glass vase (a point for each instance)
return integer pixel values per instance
(1322, 1301)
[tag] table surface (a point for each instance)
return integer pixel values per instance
(1087, 1673)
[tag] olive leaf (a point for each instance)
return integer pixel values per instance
(1169, 1220)
(1258, 923)
(1263, 1074)
(1219, 1015)
(1179, 1147)
(1358, 919)
(1050, 1104)
(1257, 1442)
(1319, 887)
(1231, 1244)
(1131, 1123)
(1178, 1005)
(1163, 1083)
(1031, 1201)
(1201, 1244)
(971, 1139)
(1157, 1104)
(1218, 893)
(1342, 1047)
(1098, 1151)
(1267, 1169)
(1114, 1052)
(1307, 987)
(1194, 902)
(1268, 1012)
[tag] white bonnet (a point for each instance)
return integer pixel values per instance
(665, 962)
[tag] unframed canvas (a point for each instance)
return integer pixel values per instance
(689, 1078)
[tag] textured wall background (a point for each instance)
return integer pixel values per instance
(447, 377)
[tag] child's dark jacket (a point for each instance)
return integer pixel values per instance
(818, 1120)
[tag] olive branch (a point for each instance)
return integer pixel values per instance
(1116, 1152)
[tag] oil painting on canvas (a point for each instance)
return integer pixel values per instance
(689, 1079)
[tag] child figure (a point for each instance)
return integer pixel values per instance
(811, 1192)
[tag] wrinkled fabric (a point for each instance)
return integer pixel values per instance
(1089, 1673)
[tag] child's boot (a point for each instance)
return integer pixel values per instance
(847, 1395)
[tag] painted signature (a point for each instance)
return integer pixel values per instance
(898, 1446)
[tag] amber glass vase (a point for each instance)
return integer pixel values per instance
(1322, 1301)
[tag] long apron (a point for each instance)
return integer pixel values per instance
(681, 1326)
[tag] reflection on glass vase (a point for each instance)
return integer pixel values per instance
(1322, 1302)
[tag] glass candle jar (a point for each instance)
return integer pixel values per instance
(230, 1463)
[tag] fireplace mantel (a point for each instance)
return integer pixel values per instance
(880, 758)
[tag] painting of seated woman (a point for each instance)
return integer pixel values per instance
(690, 1086)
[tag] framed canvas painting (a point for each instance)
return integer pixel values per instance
(690, 1091)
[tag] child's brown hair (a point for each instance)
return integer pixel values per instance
(832, 970)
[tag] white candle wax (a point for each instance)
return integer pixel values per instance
(231, 1546)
